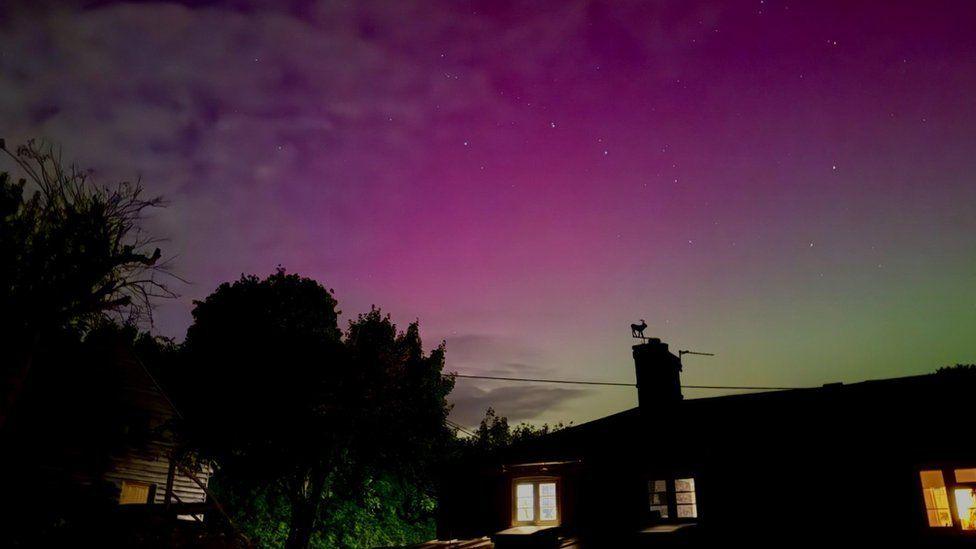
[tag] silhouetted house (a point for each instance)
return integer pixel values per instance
(96, 425)
(873, 462)
(146, 472)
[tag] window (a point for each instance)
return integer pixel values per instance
(966, 507)
(684, 504)
(536, 502)
(547, 501)
(136, 492)
(965, 475)
(525, 502)
(684, 497)
(936, 499)
(658, 490)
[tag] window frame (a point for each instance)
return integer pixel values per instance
(150, 492)
(536, 481)
(671, 497)
(970, 484)
(948, 473)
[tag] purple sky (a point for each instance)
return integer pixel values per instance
(789, 185)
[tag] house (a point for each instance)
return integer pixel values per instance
(148, 471)
(92, 448)
(888, 461)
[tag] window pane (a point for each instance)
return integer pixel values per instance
(524, 490)
(133, 493)
(547, 489)
(966, 508)
(965, 475)
(936, 499)
(658, 496)
(526, 514)
(687, 511)
(684, 497)
(684, 485)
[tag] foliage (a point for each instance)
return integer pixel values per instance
(71, 254)
(305, 424)
(72, 251)
(389, 512)
(494, 433)
(73, 418)
(958, 369)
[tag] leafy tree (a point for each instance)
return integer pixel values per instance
(494, 433)
(71, 254)
(957, 370)
(300, 420)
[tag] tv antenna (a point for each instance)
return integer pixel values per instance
(686, 352)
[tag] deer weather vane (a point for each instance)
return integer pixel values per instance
(637, 330)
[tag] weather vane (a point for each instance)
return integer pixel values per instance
(637, 330)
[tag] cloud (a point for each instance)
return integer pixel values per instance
(516, 402)
(505, 356)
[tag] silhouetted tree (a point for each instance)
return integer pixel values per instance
(958, 369)
(71, 253)
(295, 415)
(494, 433)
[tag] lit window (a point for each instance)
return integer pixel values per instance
(685, 502)
(547, 501)
(134, 492)
(965, 475)
(684, 497)
(536, 502)
(658, 490)
(966, 507)
(936, 499)
(525, 502)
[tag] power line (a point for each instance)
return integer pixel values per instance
(459, 428)
(618, 384)
(611, 383)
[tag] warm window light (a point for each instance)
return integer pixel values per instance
(134, 493)
(966, 507)
(536, 502)
(936, 499)
(685, 501)
(658, 490)
(965, 475)
(547, 501)
(684, 495)
(525, 502)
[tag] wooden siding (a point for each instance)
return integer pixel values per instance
(150, 461)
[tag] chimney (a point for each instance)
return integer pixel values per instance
(658, 376)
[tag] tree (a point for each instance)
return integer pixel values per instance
(494, 433)
(71, 253)
(959, 370)
(295, 414)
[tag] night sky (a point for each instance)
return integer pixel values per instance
(789, 185)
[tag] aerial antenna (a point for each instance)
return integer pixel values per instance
(683, 353)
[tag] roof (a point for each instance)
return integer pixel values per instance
(835, 407)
